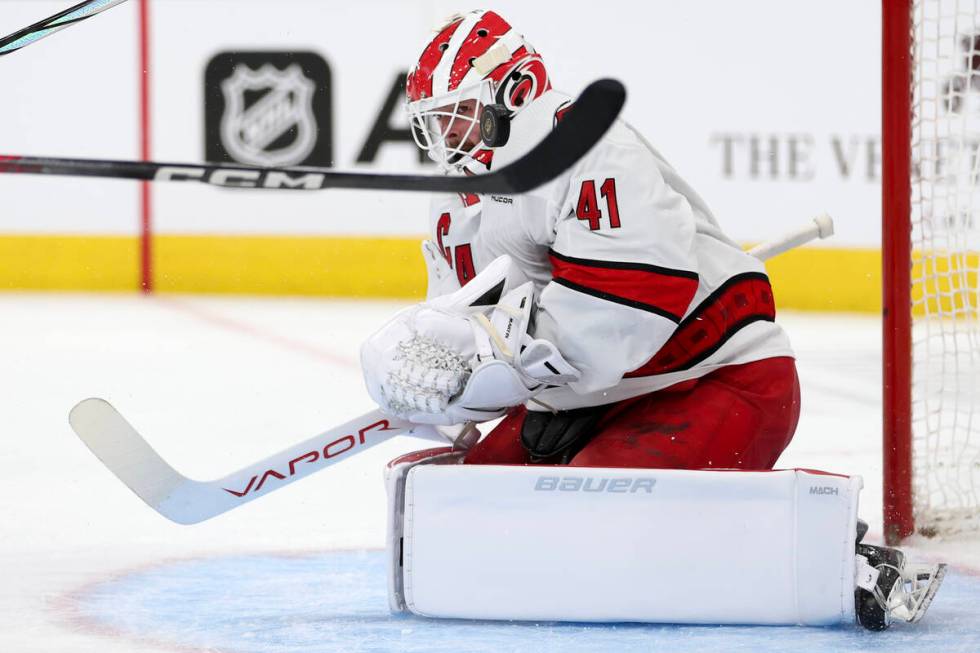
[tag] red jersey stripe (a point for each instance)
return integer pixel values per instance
(740, 301)
(664, 291)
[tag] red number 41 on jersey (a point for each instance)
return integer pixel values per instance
(588, 203)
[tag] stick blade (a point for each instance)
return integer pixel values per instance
(124, 451)
(184, 501)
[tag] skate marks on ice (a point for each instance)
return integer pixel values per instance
(335, 601)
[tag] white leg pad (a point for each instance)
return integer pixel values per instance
(395, 476)
(592, 544)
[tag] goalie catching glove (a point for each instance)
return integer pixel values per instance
(466, 356)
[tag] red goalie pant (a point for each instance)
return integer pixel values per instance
(737, 417)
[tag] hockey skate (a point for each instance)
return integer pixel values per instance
(892, 588)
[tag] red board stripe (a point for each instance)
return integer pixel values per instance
(146, 199)
(664, 291)
(740, 301)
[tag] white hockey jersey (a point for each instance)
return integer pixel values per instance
(635, 282)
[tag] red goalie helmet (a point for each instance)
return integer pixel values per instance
(474, 61)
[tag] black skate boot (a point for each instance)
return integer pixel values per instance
(872, 606)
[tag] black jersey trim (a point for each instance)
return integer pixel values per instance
(625, 265)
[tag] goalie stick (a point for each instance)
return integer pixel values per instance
(590, 117)
(51, 24)
(127, 455)
(821, 227)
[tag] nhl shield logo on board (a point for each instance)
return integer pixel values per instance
(285, 104)
(268, 109)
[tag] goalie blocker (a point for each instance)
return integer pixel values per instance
(634, 545)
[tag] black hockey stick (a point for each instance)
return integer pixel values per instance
(589, 118)
(51, 24)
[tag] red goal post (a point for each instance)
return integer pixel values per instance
(930, 244)
(896, 245)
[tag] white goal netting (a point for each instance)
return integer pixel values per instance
(945, 245)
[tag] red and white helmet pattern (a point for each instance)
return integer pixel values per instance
(474, 60)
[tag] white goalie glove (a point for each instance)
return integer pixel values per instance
(466, 356)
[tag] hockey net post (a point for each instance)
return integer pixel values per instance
(896, 120)
(930, 245)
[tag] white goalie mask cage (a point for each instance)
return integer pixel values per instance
(447, 128)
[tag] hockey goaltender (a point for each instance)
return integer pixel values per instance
(645, 390)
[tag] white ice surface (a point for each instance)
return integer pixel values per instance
(215, 383)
